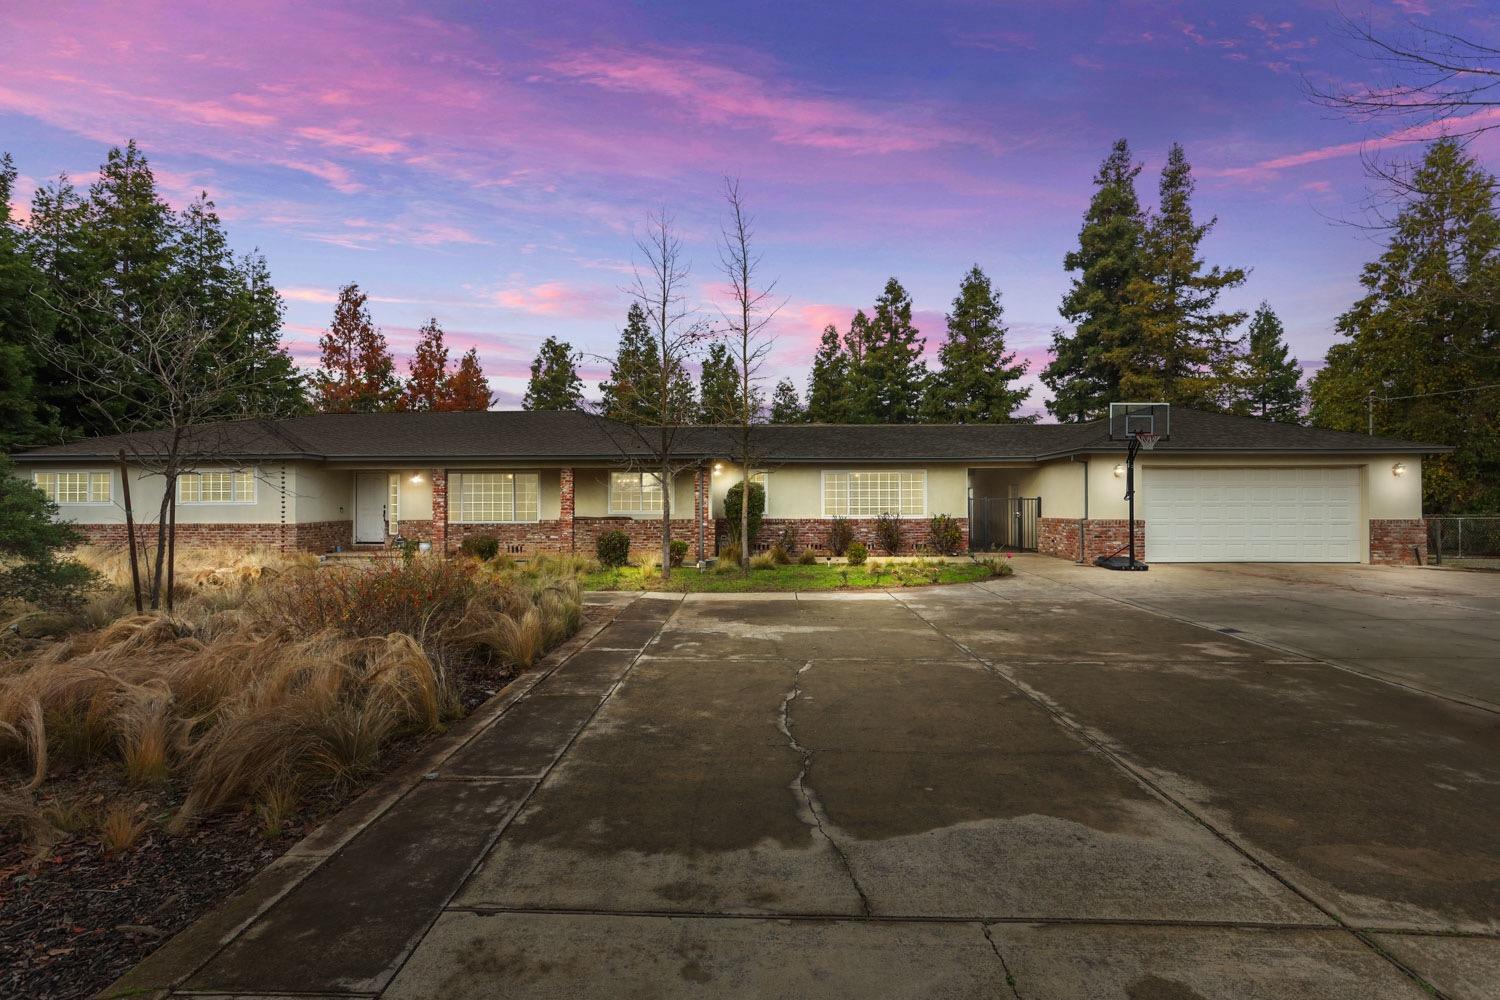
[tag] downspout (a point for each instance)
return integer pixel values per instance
(1083, 523)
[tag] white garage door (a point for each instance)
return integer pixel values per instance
(1250, 515)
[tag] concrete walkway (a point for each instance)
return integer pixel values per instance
(1066, 784)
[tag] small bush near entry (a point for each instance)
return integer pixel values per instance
(779, 555)
(679, 551)
(999, 567)
(840, 534)
(807, 558)
(857, 553)
(732, 508)
(944, 535)
(480, 546)
(888, 533)
(613, 549)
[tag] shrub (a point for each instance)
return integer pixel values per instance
(120, 828)
(779, 555)
(679, 551)
(999, 567)
(840, 534)
(857, 553)
(613, 549)
(730, 554)
(763, 561)
(787, 539)
(807, 558)
(30, 542)
(944, 535)
(732, 508)
(480, 546)
(888, 533)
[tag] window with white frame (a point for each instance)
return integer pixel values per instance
(902, 492)
(75, 487)
(220, 486)
(490, 497)
(634, 493)
(761, 479)
(393, 505)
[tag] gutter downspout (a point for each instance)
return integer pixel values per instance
(1082, 524)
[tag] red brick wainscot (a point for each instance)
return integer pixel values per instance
(515, 538)
(644, 534)
(320, 536)
(1393, 539)
(812, 533)
(1058, 536)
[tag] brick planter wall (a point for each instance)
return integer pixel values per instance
(420, 531)
(813, 533)
(1058, 536)
(1392, 540)
(534, 536)
(645, 536)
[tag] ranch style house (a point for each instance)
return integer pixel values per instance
(1217, 488)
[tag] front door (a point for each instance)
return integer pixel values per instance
(370, 492)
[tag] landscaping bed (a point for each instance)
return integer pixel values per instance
(729, 579)
(150, 765)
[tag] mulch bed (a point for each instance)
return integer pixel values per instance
(76, 917)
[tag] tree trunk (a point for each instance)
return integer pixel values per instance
(666, 522)
(159, 563)
(171, 547)
(135, 564)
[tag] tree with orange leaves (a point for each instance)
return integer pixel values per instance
(427, 385)
(467, 388)
(356, 373)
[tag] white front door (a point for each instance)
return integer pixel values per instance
(1250, 515)
(370, 493)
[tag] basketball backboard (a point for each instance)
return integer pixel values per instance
(1127, 419)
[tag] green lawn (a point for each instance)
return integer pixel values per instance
(822, 576)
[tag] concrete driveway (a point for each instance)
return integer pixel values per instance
(1191, 783)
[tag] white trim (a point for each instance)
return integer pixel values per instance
(458, 494)
(88, 475)
(254, 488)
(643, 509)
(823, 492)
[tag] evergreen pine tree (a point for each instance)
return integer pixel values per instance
(1269, 380)
(1082, 375)
(719, 398)
(1178, 347)
(279, 386)
(828, 382)
(893, 364)
(786, 408)
(468, 388)
(976, 383)
(554, 383)
(25, 418)
(1429, 326)
(632, 391)
(861, 403)
(426, 385)
(356, 373)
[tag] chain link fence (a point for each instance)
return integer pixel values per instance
(1464, 540)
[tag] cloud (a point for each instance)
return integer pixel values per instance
(996, 41)
(556, 298)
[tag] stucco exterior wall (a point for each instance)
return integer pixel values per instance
(274, 496)
(591, 496)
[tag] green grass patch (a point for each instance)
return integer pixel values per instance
(822, 576)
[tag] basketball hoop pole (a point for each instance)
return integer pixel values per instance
(1135, 446)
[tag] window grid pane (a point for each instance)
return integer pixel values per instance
(47, 483)
(635, 492)
(72, 487)
(870, 494)
(501, 496)
(236, 486)
(393, 504)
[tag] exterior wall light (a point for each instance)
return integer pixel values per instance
(1119, 471)
(1398, 470)
(416, 477)
(718, 468)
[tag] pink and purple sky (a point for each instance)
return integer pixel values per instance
(488, 163)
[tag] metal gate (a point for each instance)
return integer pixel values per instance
(997, 523)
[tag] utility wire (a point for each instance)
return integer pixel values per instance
(1445, 392)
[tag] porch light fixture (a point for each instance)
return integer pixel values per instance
(1398, 470)
(718, 468)
(1119, 471)
(416, 477)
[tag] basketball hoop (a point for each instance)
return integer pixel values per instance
(1147, 439)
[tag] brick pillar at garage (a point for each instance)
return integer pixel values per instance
(565, 510)
(440, 511)
(703, 525)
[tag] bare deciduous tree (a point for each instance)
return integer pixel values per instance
(746, 321)
(1441, 83)
(164, 383)
(650, 431)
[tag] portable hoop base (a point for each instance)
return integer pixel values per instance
(1142, 439)
(1120, 562)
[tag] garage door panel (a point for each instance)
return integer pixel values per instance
(1251, 515)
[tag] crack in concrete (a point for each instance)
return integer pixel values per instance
(1010, 980)
(803, 788)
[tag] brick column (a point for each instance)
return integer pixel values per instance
(440, 511)
(565, 509)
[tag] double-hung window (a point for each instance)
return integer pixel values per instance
(493, 497)
(634, 493)
(75, 487)
(221, 486)
(902, 492)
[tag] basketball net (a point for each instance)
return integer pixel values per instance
(1147, 439)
